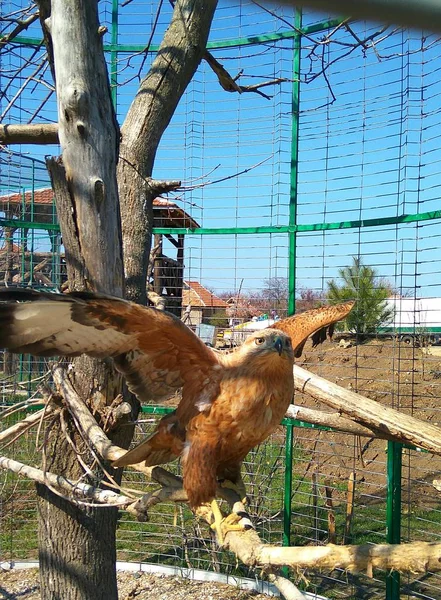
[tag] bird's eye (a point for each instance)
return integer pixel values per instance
(260, 340)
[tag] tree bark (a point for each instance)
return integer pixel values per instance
(178, 58)
(77, 545)
(42, 133)
(9, 360)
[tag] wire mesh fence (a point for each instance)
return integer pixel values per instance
(339, 159)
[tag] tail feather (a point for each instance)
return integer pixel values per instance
(161, 447)
(147, 453)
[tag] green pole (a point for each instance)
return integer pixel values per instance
(295, 104)
(114, 55)
(287, 496)
(393, 511)
(295, 98)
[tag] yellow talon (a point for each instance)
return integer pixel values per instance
(222, 525)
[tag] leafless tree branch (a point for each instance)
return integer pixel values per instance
(20, 25)
(229, 83)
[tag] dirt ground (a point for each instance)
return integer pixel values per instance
(396, 375)
(24, 585)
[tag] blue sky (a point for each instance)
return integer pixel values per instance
(372, 153)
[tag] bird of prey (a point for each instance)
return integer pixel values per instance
(230, 402)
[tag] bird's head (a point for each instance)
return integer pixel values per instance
(269, 342)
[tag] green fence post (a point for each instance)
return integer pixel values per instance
(295, 104)
(393, 511)
(295, 108)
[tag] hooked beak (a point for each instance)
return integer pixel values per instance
(278, 345)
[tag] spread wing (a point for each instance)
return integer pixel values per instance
(317, 322)
(154, 350)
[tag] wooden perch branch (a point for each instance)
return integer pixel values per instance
(90, 429)
(229, 83)
(417, 557)
(41, 133)
(379, 418)
(83, 418)
(82, 491)
(334, 420)
(22, 426)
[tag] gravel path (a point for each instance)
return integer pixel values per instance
(24, 585)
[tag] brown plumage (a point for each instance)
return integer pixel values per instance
(230, 403)
(316, 323)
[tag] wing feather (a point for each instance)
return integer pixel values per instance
(153, 349)
(314, 322)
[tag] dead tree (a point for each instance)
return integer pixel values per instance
(77, 545)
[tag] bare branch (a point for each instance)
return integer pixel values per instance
(22, 88)
(22, 426)
(41, 133)
(84, 421)
(335, 420)
(22, 25)
(76, 490)
(247, 170)
(157, 186)
(228, 83)
(369, 413)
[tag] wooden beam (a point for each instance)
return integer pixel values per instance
(172, 240)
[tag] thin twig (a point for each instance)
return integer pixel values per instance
(237, 174)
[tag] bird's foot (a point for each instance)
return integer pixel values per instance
(223, 525)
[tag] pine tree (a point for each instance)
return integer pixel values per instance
(361, 283)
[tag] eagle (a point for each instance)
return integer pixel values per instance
(229, 402)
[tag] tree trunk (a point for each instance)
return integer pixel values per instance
(77, 544)
(178, 58)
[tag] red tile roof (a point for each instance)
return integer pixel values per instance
(195, 294)
(166, 213)
(44, 196)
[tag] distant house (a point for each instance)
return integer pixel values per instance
(165, 272)
(199, 304)
(240, 309)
